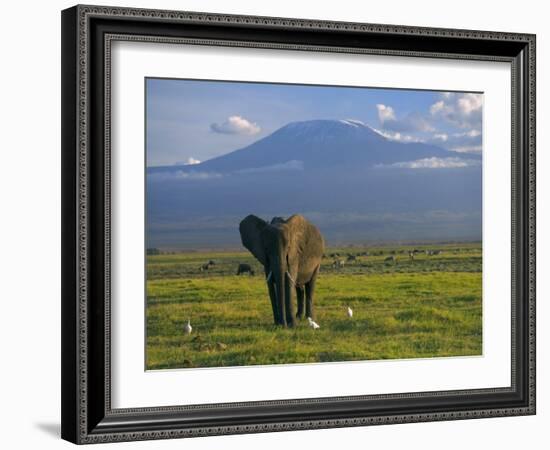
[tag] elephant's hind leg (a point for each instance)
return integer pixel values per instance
(300, 300)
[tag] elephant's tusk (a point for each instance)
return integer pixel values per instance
(269, 276)
(291, 279)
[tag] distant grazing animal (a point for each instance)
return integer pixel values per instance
(312, 324)
(290, 251)
(391, 258)
(411, 255)
(187, 328)
(244, 268)
(352, 258)
(338, 263)
(206, 266)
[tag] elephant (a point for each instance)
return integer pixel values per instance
(290, 251)
(244, 268)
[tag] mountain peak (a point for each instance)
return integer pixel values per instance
(327, 123)
(329, 129)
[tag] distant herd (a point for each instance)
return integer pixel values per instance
(339, 260)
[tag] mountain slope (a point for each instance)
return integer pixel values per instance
(318, 144)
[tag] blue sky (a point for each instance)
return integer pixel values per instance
(189, 121)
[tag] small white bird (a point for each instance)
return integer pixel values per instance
(312, 324)
(187, 327)
(350, 312)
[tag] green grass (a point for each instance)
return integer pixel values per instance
(410, 309)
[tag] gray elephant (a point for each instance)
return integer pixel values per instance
(290, 251)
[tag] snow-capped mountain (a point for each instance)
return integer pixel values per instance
(316, 144)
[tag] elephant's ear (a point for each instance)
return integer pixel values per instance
(251, 230)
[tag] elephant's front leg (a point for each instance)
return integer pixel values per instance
(310, 291)
(300, 301)
(289, 303)
(272, 297)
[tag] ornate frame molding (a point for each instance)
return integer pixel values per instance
(77, 414)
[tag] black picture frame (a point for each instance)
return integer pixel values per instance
(87, 416)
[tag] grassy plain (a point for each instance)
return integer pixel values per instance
(427, 307)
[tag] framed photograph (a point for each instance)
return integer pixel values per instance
(280, 224)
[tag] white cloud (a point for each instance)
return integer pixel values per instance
(397, 136)
(439, 107)
(191, 161)
(466, 142)
(463, 110)
(183, 174)
(467, 149)
(469, 103)
(197, 175)
(385, 113)
(289, 165)
(236, 125)
(434, 163)
(462, 113)
(471, 133)
(462, 142)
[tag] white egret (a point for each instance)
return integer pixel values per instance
(187, 327)
(350, 312)
(312, 324)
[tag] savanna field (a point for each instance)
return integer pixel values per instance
(429, 306)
